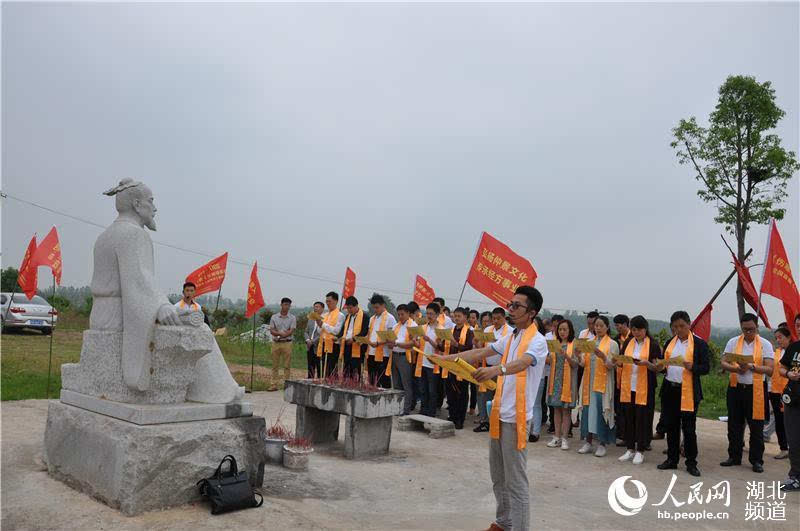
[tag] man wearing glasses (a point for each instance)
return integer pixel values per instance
(523, 355)
(747, 392)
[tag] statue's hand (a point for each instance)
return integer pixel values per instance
(168, 315)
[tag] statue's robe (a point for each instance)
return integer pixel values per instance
(126, 299)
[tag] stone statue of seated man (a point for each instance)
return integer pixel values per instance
(127, 300)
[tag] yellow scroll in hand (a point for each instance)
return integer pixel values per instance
(460, 368)
(386, 335)
(484, 337)
(554, 346)
(361, 340)
(676, 361)
(622, 358)
(741, 359)
(314, 316)
(416, 331)
(585, 346)
(445, 334)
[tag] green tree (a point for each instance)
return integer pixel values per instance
(8, 279)
(742, 167)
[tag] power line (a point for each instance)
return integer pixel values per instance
(209, 255)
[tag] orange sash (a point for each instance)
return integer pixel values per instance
(408, 350)
(519, 392)
(182, 305)
(777, 382)
(462, 338)
(758, 378)
(621, 340)
(326, 337)
(641, 374)
(381, 326)
(356, 350)
(604, 346)
(687, 386)
(566, 376)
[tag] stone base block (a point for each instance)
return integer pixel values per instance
(137, 468)
(436, 428)
(154, 414)
(315, 425)
(367, 437)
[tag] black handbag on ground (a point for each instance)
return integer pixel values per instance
(229, 491)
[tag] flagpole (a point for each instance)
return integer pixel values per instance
(253, 356)
(764, 270)
(467, 279)
(10, 302)
(216, 306)
(52, 328)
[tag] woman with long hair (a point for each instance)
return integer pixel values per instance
(562, 388)
(777, 383)
(597, 391)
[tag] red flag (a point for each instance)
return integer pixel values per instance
(497, 271)
(349, 284)
(28, 274)
(777, 280)
(209, 277)
(423, 293)
(255, 301)
(48, 253)
(749, 289)
(701, 326)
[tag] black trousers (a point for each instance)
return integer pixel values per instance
(780, 428)
(473, 396)
(331, 361)
(351, 366)
(792, 418)
(740, 411)
(636, 424)
(674, 421)
(619, 415)
(430, 392)
(456, 399)
(314, 363)
(376, 371)
(440, 394)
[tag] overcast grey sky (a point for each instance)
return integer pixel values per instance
(387, 137)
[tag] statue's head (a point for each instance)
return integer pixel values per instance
(135, 198)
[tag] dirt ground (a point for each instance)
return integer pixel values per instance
(422, 484)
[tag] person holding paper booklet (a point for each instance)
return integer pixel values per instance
(562, 387)
(355, 325)
(747, 392)
(523, 354)
(400, 358)
(330, 324)
(637, 391)
(499, 329)
(472, 320)
(455, 386)
(311, 336)
(443, 322)
(596, 395)
(790, 369)
(681, 391)
(622, 325)
(777, 383)
(378, 353)
(419, 319)
(424, 367)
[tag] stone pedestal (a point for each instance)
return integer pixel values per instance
(436, 428)
(368, 427)
(137, 468)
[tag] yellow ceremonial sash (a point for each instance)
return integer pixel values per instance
(326, 337)
(356, 349)
(396, 329)
(519, 391)
(758, 378)
(194, 306)
(777, 382)
(687, 386)
(618, 370)
(381, 327)
(641, 375)
(566, 376)
(462, 338)
(599, 382)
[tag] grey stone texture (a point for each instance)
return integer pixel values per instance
(142, 468)
(436, 428)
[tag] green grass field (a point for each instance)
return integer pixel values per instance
(23, 366)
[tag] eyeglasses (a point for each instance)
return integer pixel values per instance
(514, 305)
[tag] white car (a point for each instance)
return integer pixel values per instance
(22, 312)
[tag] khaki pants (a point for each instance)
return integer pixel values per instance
(281, 357)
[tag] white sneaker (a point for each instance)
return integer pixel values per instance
(638, 459)
(626, 456)
(601, 451)
(564, 444)
(554, 442)
(586, 448)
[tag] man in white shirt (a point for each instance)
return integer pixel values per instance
(430, 380)
(330, 326)
(378, 350)
(524, 353)
(402, 374)
(355, 324)
(311, 336)
(500, 328)
(187, 304)
(742, 393)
